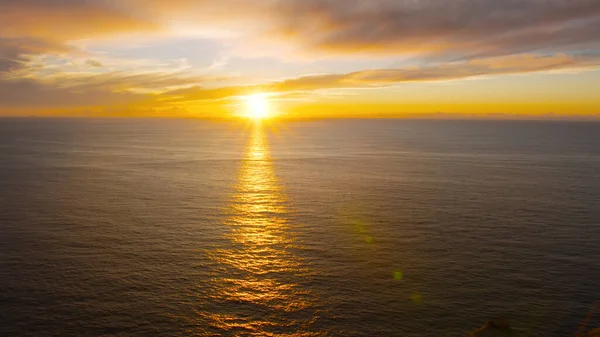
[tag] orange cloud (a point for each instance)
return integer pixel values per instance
(34, 27)
(386, 77)
(89, 90)
(131, 89)
(14, 52)
(66, 19)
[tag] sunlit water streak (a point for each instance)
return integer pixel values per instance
(254, 288)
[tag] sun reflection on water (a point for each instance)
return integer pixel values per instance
(254, 289)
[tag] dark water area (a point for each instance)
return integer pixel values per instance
(320, 228)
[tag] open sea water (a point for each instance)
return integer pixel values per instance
(166, 227)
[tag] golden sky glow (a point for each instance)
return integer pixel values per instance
(310, 58)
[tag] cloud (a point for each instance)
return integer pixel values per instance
(42, 27)
(16, 52)
(145, 92)
(32, 93)
(459, 27)
(441, 30)
(385, 77)
(90, 90)
(94, 63)
(60, 20)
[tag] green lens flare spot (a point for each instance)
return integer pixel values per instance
(416, 298)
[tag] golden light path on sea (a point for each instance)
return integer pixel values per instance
(256, 285)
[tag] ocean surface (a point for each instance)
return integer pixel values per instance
(317, 228)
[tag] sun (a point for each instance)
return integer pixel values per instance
(257, 106)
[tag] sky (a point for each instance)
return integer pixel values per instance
(309, 58)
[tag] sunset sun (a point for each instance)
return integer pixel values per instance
(257, 106)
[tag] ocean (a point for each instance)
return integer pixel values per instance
(166, 227)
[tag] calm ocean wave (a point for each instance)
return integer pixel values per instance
(322, 228)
